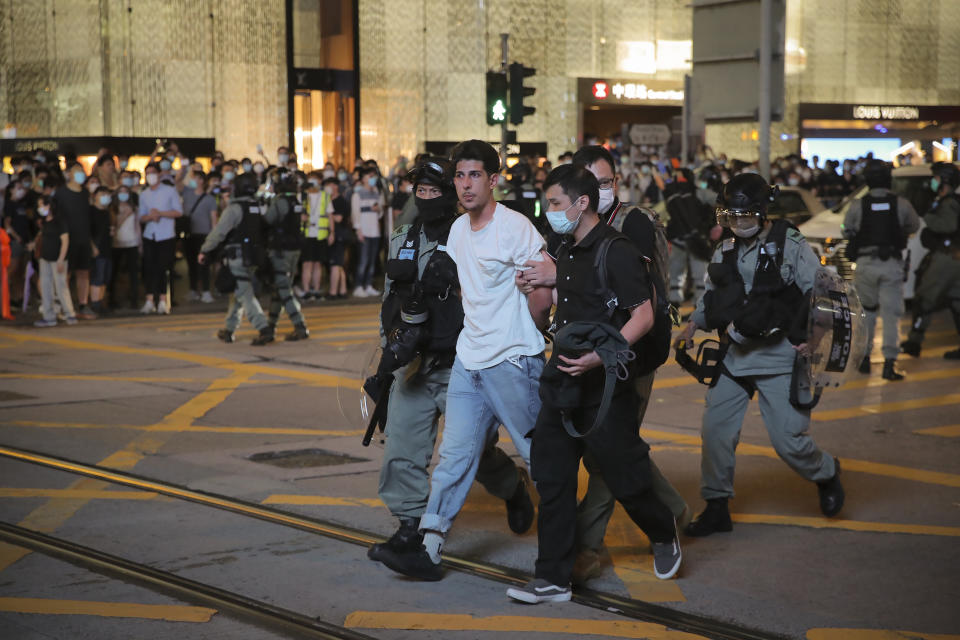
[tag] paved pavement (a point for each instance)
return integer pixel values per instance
(160, 397)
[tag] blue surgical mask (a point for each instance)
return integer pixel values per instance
(246, 167)
(79, 177)
(342, 176)
(935, 184)
(560, 223)
(229, 175)
(165, 165)
(192, 184)
(123, 164)
(372, 181)
(123, 196)
(282, 158)
(105, 200)
(128, 182)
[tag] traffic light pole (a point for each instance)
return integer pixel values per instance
(503, 125)
(766, 55)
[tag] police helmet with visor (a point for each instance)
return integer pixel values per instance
(745, 197)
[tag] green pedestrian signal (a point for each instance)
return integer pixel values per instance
(496, 97)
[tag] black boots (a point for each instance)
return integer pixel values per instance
(865, 365)
(952, 355)
(831, 493)
(714, 518)
(406, 540)
(266, 337)
(910, 348)
(226, 335)
(299, 332)
(520, 511)
(889, 373)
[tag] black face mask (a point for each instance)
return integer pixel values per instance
(434, 209)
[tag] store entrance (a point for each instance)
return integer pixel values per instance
(323, 128)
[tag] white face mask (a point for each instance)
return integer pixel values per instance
(152, 179)
(745, 227)
(606, 199)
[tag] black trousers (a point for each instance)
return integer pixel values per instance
(199, 273)
(158, 257)
(624, 462)
(126, 260)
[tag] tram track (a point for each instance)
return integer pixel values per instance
(634, 609)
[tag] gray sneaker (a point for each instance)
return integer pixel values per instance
(666, 558)
(539, 590)
(45, 323)
(71, 320)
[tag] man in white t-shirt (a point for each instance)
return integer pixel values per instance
(495, 377)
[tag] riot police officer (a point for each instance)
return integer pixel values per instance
(938, 277)
(756, 287)
(688, 230)
(240, 230)
(877, 227)
(283, 219)
(419, 272)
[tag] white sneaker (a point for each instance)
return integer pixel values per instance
(148, 307)
(206, 298)
(162, 308)
(539, 590)
(360, 292)
(371, 291)
(297, 291)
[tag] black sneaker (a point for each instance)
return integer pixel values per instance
(266, 337)
(666, 558)
(910, 348)
(865, 365)
(952, 355)
(405, 539)
(831, 493)
(520, 511)
(715, 518)
(889, 372)
(226, 335)
(300, 332)
(539, 590)
(413, 564)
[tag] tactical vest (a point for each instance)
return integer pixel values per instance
(285, 234)
(934, 241)
(323, 218)
(249, 233)
(880, 233)
(771, 305)
(438, 285)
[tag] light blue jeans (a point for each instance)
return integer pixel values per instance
(478, 401)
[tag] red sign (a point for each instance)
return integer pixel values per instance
(600, 90)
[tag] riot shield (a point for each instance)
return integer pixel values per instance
(837, 331)
(355, 404)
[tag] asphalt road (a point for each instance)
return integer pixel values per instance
(161, 397)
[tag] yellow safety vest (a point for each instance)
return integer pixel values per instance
(323, 219)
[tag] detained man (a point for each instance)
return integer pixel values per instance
(499, 352)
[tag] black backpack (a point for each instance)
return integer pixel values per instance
(653, 348)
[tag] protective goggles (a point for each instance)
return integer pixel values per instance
(429, 172)
(727, 217)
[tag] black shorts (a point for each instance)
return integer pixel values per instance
(337, 249)
(80, 255)
(314, 251)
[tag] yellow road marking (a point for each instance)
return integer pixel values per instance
(170, 612)
(849, 464)
(875, 634)
(951, 431)
(324, 501)
(913, 376)
(97, 378)
(346, 343)
(318, 379)
(669, 383)
(51, 515)
(77, 494)
(186, 428)
(314, 328)
(850, 525)
(417, 621)
(885, 407)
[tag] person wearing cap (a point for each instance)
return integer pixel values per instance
(877, 226)
(758, 354)
(418, 264)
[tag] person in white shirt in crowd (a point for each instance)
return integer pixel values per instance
(126, 246)
(159, 208)
(366, 210)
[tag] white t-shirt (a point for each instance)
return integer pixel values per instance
(497, 325)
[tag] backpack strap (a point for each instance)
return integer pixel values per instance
(600, 268)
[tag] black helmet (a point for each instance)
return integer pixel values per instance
(433, 171)
(947, 172)
(283, 180)
(245, 185)
(877, 174)
(747, 194)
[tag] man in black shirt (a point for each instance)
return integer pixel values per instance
(73, 205)
(54, 244)
(615, 444)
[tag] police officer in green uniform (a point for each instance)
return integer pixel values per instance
(418, 267)
(240, 229)
(744, 276)
(283, 219)
(877, 227)
(938, 277)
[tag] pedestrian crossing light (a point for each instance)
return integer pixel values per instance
(496, 97)
(518, 92)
